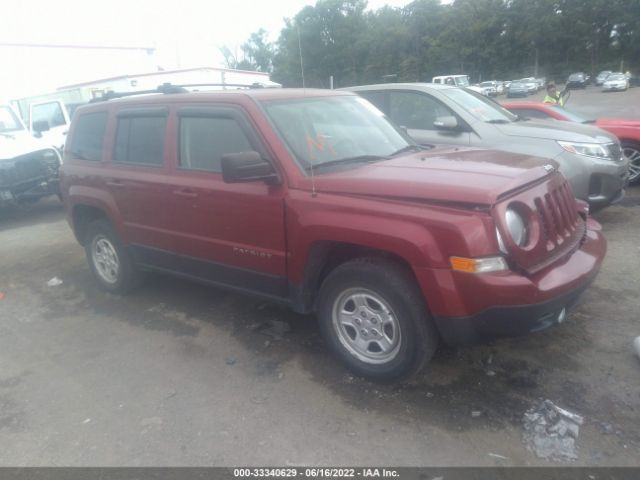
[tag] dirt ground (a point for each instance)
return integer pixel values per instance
(179, 374)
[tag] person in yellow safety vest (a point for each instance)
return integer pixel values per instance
(553, 97)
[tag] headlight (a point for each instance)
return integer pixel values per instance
(595, 150)
(516, 228)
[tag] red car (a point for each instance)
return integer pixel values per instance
(628, 131)
(312, 198)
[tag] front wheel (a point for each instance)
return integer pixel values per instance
(374, 317)
(631, 150)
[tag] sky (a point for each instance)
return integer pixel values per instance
(184, 34)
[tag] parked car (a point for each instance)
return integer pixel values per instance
(577, 80)
(28, 166)
(615, 81)
(312, 198)
(490, 88)
(589, 157)
(457, 80)
(531, 84)
(627, 131)
(602, 76)
(517, 89)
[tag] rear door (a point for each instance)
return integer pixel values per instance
(139, 181)
(232, 234)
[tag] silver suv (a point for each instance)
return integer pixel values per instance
(590, 158)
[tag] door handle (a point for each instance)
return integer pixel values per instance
(185, 193)
(115, 183)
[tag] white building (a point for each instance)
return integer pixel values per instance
(77, 94)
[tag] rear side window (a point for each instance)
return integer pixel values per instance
(140, 140)
(205, 140)
(88, 136)
(379, 98)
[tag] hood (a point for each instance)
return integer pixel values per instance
(443, 175)
(565, 131)
(14, 144)
(617, 122)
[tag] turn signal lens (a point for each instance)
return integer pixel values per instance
(478, 265)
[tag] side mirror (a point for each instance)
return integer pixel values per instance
(40, 126)
(446, 123)
(247, 167)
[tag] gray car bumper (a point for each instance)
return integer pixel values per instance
(598, 182)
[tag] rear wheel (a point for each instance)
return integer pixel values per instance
(632, 151)
(110, 262)
(374, 317)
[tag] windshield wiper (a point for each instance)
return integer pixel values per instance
(357, 159)
(589, 121)
(497, 120)
(8, 135)
(411, 148)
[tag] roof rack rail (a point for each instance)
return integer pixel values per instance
(236, 85)
(165, 88)
(168, 88)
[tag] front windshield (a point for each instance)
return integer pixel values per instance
(617, 76)
(462, 81)
(335, 129)
(480, 106)
(8, 120)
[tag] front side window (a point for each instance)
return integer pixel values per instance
(335, 129)
(205, 140)
(416, 110)
(88, 136)
(462, 81)
(8, 120)
(140, 140)
(50, 112)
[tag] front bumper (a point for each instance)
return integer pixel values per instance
(598, 182)
(469, 308)
(608, 88)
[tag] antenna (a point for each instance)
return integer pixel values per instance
(300, 51)
(313, 178)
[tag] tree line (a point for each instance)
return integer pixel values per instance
(486, 39)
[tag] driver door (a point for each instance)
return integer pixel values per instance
(417, 112)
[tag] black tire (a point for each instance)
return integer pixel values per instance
(127, 277)
(395, 286)
(632, 150)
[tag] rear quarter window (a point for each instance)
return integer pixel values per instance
(88, 136)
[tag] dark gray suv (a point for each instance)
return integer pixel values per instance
(589, 157)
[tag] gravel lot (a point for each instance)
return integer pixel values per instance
(179, 374)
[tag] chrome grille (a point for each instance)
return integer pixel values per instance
(560, 228)
(558, 216)
(26, 168)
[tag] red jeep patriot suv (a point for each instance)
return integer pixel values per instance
(314, 199)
